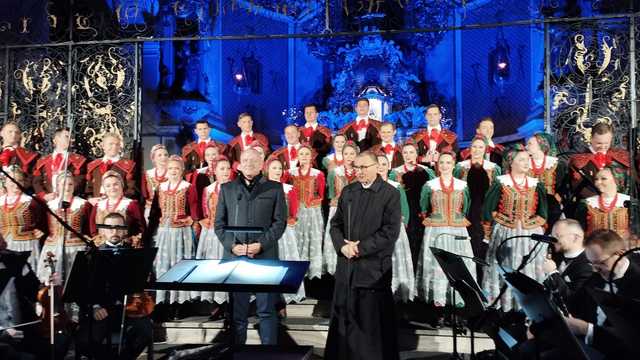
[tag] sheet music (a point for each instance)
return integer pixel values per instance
(249, 273)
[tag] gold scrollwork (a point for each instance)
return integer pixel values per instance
(606, 52)
(5, 26)
(36, 77)
(581, 50)
(620, 94)
(103, 72)
(83, 22)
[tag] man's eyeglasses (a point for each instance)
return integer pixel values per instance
(602, 262)
(362, 167)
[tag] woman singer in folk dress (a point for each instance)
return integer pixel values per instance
(339, 177)
(607, 210)
(179, 215)
(209, 246)
(444, 202)
(154, 176)
(287, 244)
(77, 215)
(516, 205)
(334, 159)
(309, 184)
(115, 201)
(479, 173)
(412, 176)
(22, 220)
(403, 284)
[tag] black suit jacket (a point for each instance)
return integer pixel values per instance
(571, 280)
(606, 338)
(375, 222)
(263, 206)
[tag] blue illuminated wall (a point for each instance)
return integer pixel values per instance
(510, 103)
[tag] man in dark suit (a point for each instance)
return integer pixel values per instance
(364, 130)
(569, 268)
(252, 200)
(106, 309)
(602, 248)
(364, 231)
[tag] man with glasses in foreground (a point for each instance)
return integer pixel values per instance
(569, 268)
(363, 231)
(603, 248)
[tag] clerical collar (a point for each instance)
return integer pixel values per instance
(573, 254)
(375, 185)
(109, 243)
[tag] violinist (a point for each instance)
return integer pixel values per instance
(107, 310)
(18, 289)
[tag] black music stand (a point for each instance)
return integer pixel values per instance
(463, 282)
(240, 274)
(544, 315)
(113, 271)
(623, 313)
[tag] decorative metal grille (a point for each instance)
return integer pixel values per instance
(104, 97)
(589, 81)
(37, 96)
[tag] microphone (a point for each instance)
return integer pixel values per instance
(235, 221)
(455, 237)
(349, 218)
(474, 259)
(544, 238)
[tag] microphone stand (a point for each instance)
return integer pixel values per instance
(615, 263)
(454, 318)
(348, 297)
(90, 244)
(523, 263)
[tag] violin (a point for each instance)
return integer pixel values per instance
(139, 304)
(52, 319)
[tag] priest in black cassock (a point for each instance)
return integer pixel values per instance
(364, 230)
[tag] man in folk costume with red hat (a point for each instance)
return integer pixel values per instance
(244, 140)
(193, 152)
(50, 166)
(583, 167)
(485, 128)
(388, 146)
(364, 131)
(288, 155)
(434, 139)
(14, 154)
(111, 147)
(314, 134)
